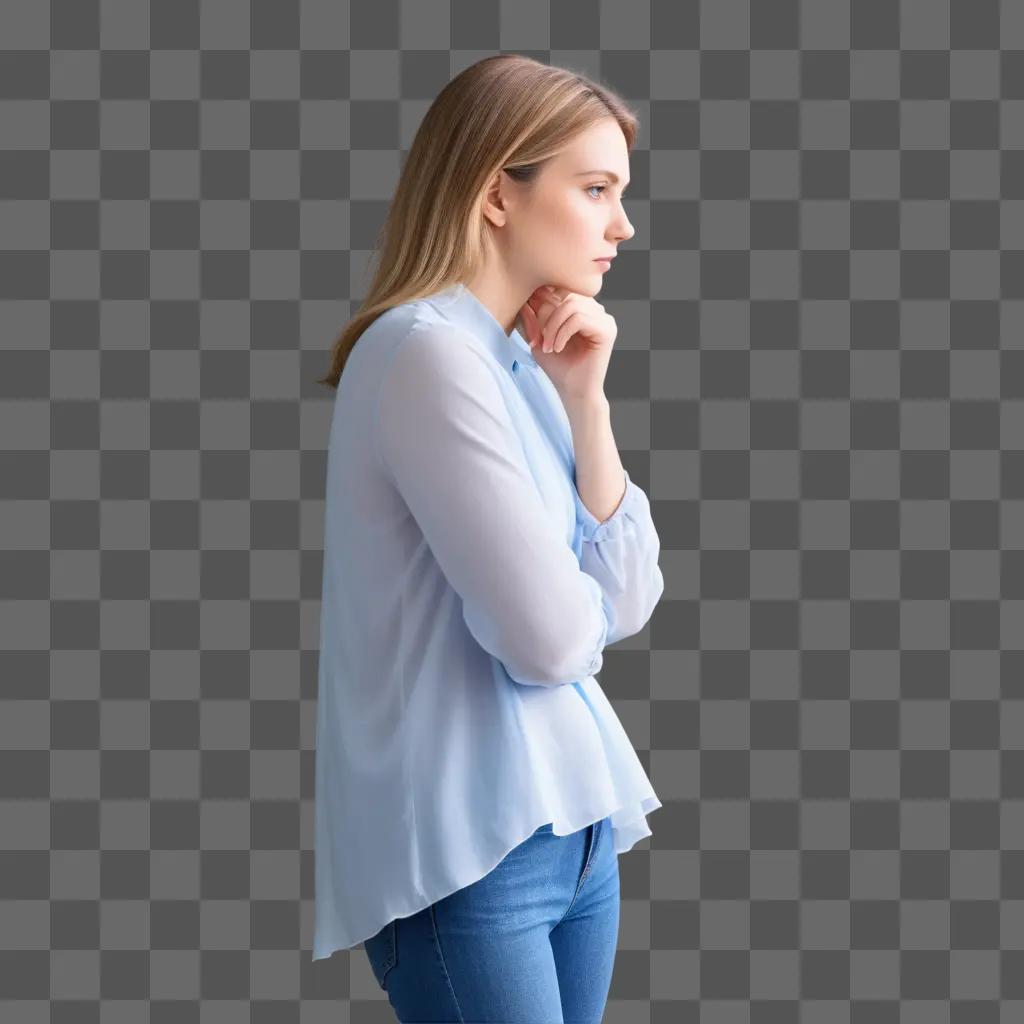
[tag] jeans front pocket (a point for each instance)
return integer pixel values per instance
(382, 952)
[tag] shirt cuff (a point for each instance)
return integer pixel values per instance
(593, 529)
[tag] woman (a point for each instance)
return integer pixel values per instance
(482, 545)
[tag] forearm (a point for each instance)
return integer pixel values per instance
(600, 476)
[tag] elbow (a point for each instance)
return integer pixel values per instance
(549, 640)
(553, 653)
(571, 651)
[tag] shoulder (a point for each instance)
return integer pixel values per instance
(438, 353)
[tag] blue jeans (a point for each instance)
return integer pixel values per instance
(532, 942)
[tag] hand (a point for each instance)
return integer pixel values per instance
(571, 338)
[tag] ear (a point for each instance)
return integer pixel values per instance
(495, 200)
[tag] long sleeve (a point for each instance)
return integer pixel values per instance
(447, 441)
(621, 553)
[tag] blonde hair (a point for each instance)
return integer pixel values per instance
(505, 112)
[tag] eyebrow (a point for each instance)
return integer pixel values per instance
(608, 174)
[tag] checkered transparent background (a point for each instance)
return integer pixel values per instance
(818, 379)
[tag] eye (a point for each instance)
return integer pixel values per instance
(601, 187)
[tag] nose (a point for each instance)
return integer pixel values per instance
(627, 230)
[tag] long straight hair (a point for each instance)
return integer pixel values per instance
(505, 112)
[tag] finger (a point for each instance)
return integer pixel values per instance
(558, 315)
(552, 324)
(542, 309)
(537, 301)
(550, 293)
(532, 325)
(561, 334)
(525, 313)
(570, 326)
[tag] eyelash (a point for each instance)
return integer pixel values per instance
(601, 187)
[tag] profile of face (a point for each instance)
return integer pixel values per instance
(554, 230)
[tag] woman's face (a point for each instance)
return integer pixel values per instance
(573, 214)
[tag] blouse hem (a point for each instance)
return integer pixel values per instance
(627, 834)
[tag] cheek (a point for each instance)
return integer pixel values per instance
(560, 230)
(550, 229)
(573, 221)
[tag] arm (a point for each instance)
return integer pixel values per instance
(619, 542)
(449, 445)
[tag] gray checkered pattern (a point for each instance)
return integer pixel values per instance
(819, 380)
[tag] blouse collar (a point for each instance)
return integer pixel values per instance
(463, 306)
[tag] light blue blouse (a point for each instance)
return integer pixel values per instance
(468, 594)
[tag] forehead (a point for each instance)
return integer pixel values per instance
(602, 147)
